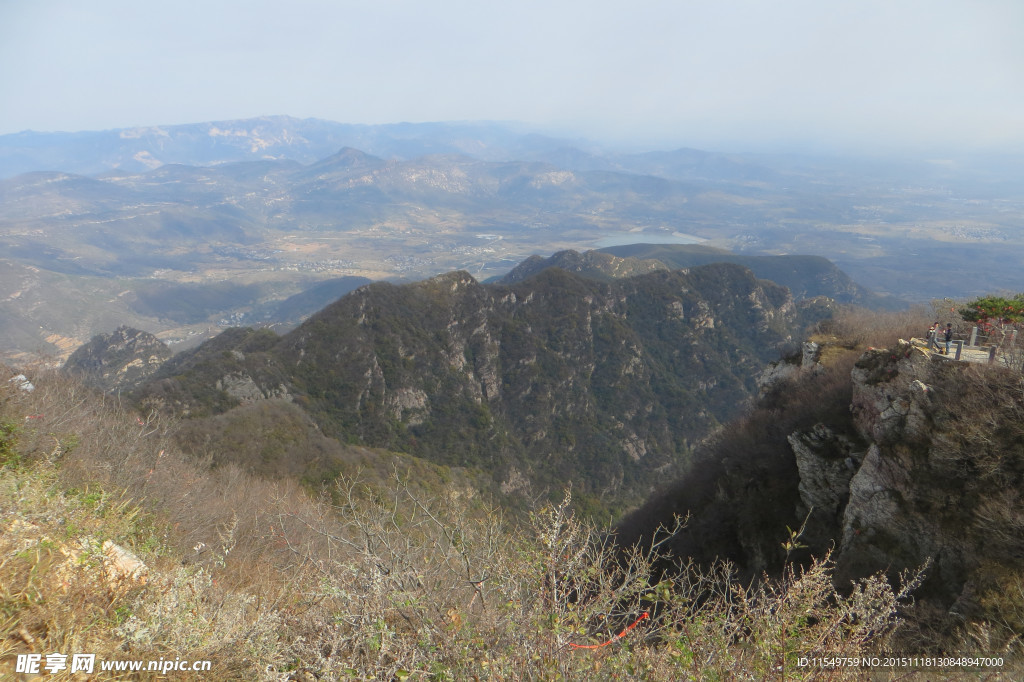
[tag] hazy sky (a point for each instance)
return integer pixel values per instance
(725, 74)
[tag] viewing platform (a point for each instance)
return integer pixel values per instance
(968, 351)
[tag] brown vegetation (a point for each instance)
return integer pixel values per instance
(395, 580)
(364, 582)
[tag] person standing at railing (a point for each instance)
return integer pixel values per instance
(947, 336)
(933, 331)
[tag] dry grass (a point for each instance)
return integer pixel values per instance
(364, 582)
(857, 329)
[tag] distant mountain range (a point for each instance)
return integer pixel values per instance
(306, 141)
(183, 230)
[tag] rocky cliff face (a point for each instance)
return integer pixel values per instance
(939, 479)
(118, 361)
(234, 368)
(552, 381)
(906, 460)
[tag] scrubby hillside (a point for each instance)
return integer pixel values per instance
(114, 544)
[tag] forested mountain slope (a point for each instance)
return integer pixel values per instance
(552, 381)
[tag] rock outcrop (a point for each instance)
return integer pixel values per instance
(790, 367)
(939, 484)
(826, 462)
(905, 460)
(118, 361)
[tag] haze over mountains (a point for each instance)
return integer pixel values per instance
(183, 229)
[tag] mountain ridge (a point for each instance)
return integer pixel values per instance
(213, 143)
(419, 199)
(806, 276)
(537, 381)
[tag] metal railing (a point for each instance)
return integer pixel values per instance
(978, 340)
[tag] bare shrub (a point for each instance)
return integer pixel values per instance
(371, 582)
(859, 328)
(469, 599)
